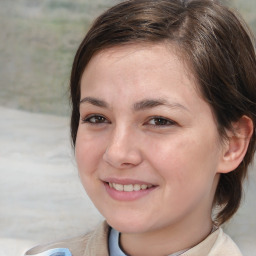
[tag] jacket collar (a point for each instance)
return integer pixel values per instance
(97, 244)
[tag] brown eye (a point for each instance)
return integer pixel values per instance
(160, 121)
(95, 119)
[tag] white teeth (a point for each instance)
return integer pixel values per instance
(136, 187)
(144, 186)
(118, 187)
(129, 187)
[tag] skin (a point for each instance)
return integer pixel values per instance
(120, 138)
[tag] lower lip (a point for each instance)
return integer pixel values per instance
(127, 196)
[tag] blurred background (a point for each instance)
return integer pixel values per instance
(38, 42)
(41, 198)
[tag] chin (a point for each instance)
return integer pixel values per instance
(127, 225)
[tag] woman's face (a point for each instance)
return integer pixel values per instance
(147, 147)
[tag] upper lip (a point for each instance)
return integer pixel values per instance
(126, 181)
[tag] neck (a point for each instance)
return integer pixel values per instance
(169, 240)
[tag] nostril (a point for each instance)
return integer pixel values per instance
(126, 165)
(124, 157)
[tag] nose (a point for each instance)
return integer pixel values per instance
(123, 149)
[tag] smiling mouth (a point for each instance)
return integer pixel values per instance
(129, 187)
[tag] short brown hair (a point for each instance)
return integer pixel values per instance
(214, 41)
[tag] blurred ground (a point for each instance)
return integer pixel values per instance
(41, 198)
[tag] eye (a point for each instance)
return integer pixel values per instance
(160, 121)
(95, 119)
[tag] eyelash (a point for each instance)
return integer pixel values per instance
(99, 119)
(165, 122)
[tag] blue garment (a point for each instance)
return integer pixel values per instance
(55, 252)
(114, 247)
(113, 244)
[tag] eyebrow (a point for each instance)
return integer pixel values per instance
(151, 103)
(138, 106)
(95, 102)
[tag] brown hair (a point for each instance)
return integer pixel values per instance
(218, 46)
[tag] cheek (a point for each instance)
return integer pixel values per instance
(187, 172)
(184, 159)
(87, 153)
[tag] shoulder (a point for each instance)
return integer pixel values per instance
(93, 243)
(216, 244)
(224, 245)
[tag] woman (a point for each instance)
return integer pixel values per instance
(163, 125)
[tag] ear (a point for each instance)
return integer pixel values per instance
(235, 147)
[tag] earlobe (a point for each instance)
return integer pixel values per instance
(235, 147)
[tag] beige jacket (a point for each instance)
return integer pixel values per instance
(96, 244)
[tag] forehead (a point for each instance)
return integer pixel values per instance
(139, 58)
